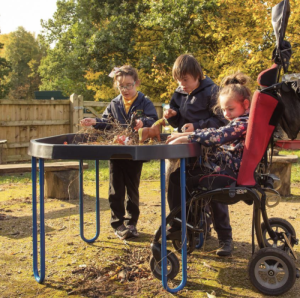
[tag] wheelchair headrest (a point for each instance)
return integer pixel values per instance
(269, 76)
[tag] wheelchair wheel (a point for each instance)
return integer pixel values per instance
(172, 266)
(278, 225)
(272, 271)
(191, 243)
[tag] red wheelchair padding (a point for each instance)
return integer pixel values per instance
(260, 128)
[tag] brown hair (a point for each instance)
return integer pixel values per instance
(125, 70)
(237, 84)
(187, 64)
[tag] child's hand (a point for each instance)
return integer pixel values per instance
(172, 137)
(188, 127)
(169, 113)
(175, 136)
(138, 124)
(180, 140)
(88, 122)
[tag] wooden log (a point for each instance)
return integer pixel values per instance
(61, 178)
(48, 167)
(62, 185)
(282, 168)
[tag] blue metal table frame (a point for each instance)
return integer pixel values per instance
(40, 274)
(164, 271)
(53, 148)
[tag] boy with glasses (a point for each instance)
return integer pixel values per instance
(125, 174)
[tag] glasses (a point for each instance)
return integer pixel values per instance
(127, 87)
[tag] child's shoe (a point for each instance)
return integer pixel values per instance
(133, 230)
(225, 248)
(122, 232)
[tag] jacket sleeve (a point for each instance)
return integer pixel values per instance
(218, 136)
(150, 115)
(102, 123)
(175, 120)
(214, 120)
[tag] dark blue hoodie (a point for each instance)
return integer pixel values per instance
(116, 110)
(196, 107)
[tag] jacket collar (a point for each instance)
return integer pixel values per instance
(119, 98)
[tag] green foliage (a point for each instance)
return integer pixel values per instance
(23, 52)
(91, 37)
(4, 71)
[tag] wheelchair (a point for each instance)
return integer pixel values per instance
(271, 268)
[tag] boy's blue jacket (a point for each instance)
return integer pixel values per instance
(143, 105)
(196, 107)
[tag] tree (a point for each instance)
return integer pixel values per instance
(65, 66)
(24, 52)
(93, 36)
(4, 71)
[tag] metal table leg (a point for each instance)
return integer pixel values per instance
(38, 276)
(81, 203)
(163, 227)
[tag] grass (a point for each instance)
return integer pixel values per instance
(77, 269)
(151, 170)
(296, 166)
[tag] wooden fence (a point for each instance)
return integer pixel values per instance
(23, 120)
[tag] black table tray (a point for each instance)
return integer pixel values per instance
(54, 148)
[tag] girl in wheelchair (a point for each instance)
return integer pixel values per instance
(224, 157)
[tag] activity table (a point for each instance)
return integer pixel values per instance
(74, 146)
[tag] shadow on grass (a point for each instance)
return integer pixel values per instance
(21, 226)
(291, 199)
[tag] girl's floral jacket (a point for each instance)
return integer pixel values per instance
(227, 143)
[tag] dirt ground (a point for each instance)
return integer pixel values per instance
(110, 267)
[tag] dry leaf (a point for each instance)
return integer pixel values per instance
(212, 295)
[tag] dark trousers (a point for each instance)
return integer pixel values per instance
(219, 211)
(124, 177)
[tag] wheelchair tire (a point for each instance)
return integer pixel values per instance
(172, 266)
(191, 243)
(278, 225)
(272, 271)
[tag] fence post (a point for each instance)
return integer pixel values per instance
(2, 146)
(80, 104)
(159, 109)
(76, 112)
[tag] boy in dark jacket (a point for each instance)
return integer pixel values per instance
(125, 174)
(192, 102)
(191, 108)
(227, 144)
